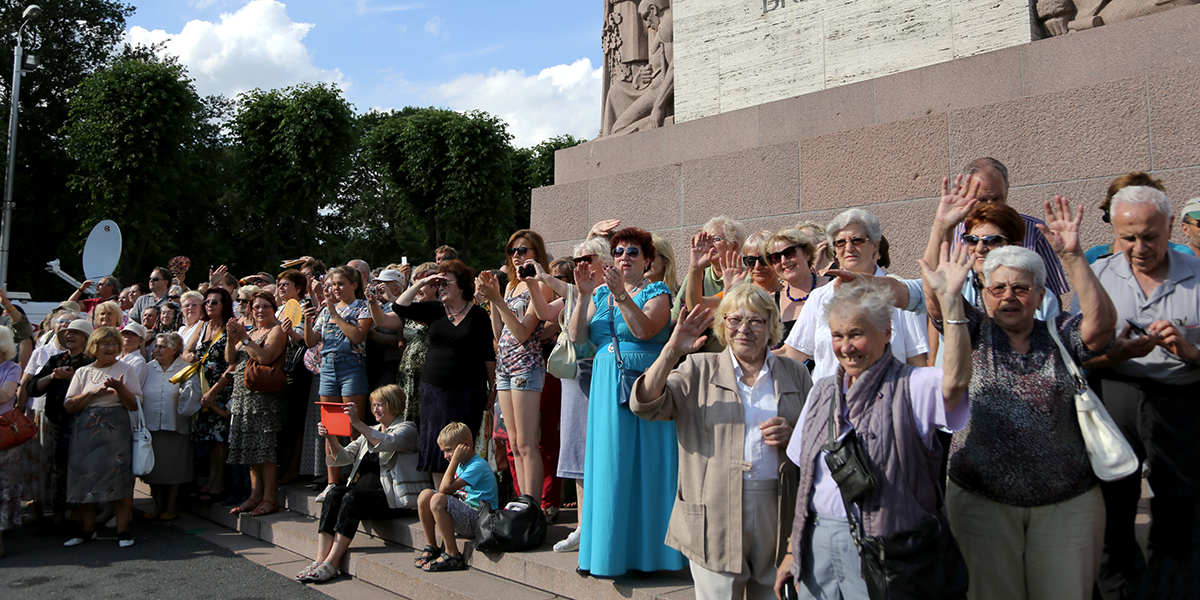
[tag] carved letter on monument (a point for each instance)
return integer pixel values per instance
(639, 66)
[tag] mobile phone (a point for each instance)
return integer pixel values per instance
(307, 303)
(1138, 329)
(789, 590)
(404, 260)
(526, 271)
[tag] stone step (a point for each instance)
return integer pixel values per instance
(383, 554)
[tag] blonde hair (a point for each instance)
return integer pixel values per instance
(730, 229)
(247, 292)
(392, 396)
(818, 234)
(100, 335)
(454, 433)
(109, 307)
(667, 254)
(8, 347)
(746, 295)
(794, 237)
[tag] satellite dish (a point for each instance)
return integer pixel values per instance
(102, 250)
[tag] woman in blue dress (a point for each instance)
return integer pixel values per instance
(630, 464)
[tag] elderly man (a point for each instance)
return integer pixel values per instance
(106, 290)
(160, 284)
(1190, 222)
(1149, 381)
(993, 176)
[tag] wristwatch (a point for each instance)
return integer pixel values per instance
(623, 296)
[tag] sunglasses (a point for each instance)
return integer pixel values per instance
(243, 301)
(857, 241)
(991, 241)
(153, 279)
(1000, 290)
(212, 303)
(788, 253)
(631, 251)
(173, 297)
(749, 261)
(585, 259)
(519, 250)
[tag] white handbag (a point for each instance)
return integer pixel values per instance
(1111, 455)
(562, 360)
(143, 448)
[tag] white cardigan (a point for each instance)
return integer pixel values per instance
(397, 449)
(165, 402)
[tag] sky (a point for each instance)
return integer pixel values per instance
(535, 63)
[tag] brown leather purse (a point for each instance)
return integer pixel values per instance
(266, 378)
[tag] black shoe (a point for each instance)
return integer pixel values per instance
(582, 572)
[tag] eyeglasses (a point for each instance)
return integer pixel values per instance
(585, 259)
(173, 297)
(735, 323)
(1000, 290)
(991, 241)
(212, 303)
(856, 241)
(62, 321)
(788, 253)
(631, 251)
(519, 250)
(717, 238)
(153, 279)
(243, 301)
(749, 261)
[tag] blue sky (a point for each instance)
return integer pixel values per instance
(533, 63)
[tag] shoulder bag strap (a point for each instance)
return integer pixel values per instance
(1080, 381)
(612, 327)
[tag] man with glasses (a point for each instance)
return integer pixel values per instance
(160, 284)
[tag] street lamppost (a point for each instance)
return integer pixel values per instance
(19, 63)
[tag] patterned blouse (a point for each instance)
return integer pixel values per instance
(513, 357)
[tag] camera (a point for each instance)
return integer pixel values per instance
(526, 271)
(373, 289)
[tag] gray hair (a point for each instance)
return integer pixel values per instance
(756, 244)
(170, 340)
(864, 297)
(730, 229)
(8, 348)
(1144, 195)
(596, 245)
(986, 162)
(1015, 257)
(112, 281)
(855, 216)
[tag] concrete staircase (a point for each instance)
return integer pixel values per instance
(383, 552)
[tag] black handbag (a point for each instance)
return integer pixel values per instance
(922, 563)
(513, 528)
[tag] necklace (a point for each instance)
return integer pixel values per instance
(638, 287)
(454, 315)
(814, 286)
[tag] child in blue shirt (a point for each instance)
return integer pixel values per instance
(442, 512)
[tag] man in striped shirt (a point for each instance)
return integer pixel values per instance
(994, 188)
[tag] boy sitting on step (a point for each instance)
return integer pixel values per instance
(443, 512)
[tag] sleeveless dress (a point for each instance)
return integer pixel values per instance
(630, 473)
(207, 425)
(256, 418)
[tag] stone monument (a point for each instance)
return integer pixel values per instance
(639, 66)
(1061, 16)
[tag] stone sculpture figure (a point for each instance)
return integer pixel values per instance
(1063, 16)
(639, 66)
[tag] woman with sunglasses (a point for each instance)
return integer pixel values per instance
(791, 252)
(735, 266)
(630, 464)
(520, 366)
(211, 424)
(1023, 501)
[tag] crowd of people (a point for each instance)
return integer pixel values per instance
(706, 423)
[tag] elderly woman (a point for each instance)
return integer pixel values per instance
(256, 416)
(893, 410)
(855, 236)
(133, 340)
(726, 236)
(630, 464)
(460, 360)
(737, 510)
(108, 314)
(1023, 501)
(244, 294)
(99, 468)
(384, 479)
(211, 424)
(191, 306)
(10, 458)
(791, 252)
(165, 404)
(414, 344)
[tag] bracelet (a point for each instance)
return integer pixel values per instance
(956, 321)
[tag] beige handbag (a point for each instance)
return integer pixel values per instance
(562, 362)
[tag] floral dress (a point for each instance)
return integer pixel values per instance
(256, 418)
(207, 425)
(416, 344)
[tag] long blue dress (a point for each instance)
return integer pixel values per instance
(630, 466)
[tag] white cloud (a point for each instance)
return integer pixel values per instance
(434, 25)
(257, 46)
(560, 99)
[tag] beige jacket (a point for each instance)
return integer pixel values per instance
(702, 398)
(397, 449)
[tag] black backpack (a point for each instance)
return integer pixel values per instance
(519, 528)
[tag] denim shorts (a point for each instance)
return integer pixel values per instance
(343, 375)
(525, 382)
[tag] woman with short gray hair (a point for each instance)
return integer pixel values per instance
(1023, 501)
(169, 408)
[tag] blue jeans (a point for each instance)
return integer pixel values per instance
(343, 375)
(832, 568)
(532, 381)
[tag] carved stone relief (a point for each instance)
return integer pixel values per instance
(1063, 16)
(639, 66)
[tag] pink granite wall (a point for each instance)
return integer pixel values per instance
(1066, 114)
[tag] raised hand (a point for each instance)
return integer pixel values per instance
(952, 270)
(958, 199)
(604, 228)
(235, 330)
(584, 279)
(732, 270)
(486, 282)
(1062, 227)
(217, 278)
(352, 411)
(700, 254)
(614, 280)
(689, 335)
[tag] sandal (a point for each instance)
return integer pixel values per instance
(244, 507)
(308, 570)
(324, 572)
(429, 553)
(446, 563)
(266, 507)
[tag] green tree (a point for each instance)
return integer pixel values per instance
(135, 128)
(451, 174)
(534, 168)
(292, 149)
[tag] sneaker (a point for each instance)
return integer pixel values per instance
(321, 497)
(571, 544)
(124, 539)
(83, 539)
